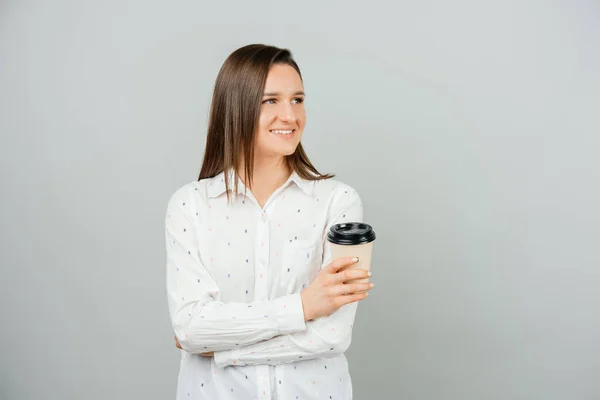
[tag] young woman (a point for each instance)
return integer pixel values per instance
(258, 307)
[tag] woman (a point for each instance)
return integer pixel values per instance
(257, 305)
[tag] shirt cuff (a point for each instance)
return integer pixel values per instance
(290, 314)
(227, 357)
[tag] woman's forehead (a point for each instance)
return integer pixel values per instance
(283, 78)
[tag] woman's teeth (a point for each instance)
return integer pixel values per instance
(282, 132)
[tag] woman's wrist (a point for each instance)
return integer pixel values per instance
(307, 314)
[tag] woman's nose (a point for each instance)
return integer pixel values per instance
(286, 113)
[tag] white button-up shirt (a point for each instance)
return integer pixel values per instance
(234, 276)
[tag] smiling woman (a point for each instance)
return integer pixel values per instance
(257, 110)
(282, 114)
(258, 306)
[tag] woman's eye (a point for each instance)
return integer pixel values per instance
(297, 100)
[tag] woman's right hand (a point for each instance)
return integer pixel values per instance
(328, 292)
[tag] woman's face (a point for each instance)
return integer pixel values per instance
(282, 115)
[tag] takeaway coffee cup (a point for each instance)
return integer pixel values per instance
(352, 239)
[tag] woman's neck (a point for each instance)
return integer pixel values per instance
(268, 174)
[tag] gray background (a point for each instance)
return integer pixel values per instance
(469, 128)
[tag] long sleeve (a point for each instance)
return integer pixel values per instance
(201, 322)
(324, 337)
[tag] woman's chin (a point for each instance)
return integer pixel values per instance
(290, 151)
(283, 151)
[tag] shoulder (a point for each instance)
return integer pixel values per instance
(190, 194)
(341, 200)
(333, 188)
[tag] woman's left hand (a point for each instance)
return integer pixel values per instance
(178, 345)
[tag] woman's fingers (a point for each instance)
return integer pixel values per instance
(351, 298)
(351, 288)
(329, 291)
(339, 263)
(350, 274)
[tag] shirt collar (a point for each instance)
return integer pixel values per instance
(217, 185)
(304, 184)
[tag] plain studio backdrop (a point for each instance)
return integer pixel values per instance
(470, 129)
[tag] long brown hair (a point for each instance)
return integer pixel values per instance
(235, 112)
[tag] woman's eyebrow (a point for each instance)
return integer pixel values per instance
(300, 93)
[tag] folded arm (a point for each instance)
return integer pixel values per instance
(200, 321)
(324, 337)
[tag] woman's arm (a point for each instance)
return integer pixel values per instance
(202, 323)
(324, 337)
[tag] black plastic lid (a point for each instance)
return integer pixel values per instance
(351, 233)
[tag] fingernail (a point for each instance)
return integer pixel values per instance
(355, 259)
(372, 285)
(370, 274)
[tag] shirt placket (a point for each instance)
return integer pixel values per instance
(261, 290)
